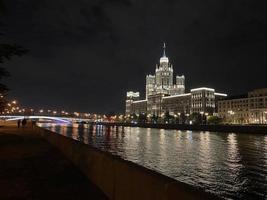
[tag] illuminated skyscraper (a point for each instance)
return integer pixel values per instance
(162, 81)
(163, 95)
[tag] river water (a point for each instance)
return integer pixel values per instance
(230, 165)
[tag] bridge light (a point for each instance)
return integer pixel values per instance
(41, 111)
(54, 112)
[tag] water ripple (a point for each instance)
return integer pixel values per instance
(232, 166)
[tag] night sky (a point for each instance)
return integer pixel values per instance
(85, 54)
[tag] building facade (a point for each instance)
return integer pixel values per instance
(130, 98)
(162, 81)
(250, 108)
(163, 95)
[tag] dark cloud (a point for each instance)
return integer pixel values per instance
(84, 55)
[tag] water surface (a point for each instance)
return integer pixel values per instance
(230, 165)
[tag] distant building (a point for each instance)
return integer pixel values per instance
(243, 109)
(162, 82)
(131, 97)
(163, 95)
(177, 104)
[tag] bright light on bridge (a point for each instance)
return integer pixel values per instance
(60, 119)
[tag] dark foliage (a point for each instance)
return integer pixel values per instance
(8, 50)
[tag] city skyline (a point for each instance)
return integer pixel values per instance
(91, 54)
(127, 99)
(165, 94)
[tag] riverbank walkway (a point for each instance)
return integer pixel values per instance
(30, 168)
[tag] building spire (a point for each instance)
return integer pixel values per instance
(164, 58)
(164, 50)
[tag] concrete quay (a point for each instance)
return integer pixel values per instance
(31, 168)
(254, 129)
(120, 179)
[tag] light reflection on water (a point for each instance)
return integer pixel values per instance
(233, 166)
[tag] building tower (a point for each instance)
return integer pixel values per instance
(164, 74)
(131, 97)
(180, 84)
(150, 85)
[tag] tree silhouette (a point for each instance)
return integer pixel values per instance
(7, 51)
(142, 118)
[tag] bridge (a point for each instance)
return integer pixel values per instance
(50, 118)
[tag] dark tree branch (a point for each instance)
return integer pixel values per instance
(8, 50)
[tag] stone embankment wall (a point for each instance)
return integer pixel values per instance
(258, 129)
(120, 179)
